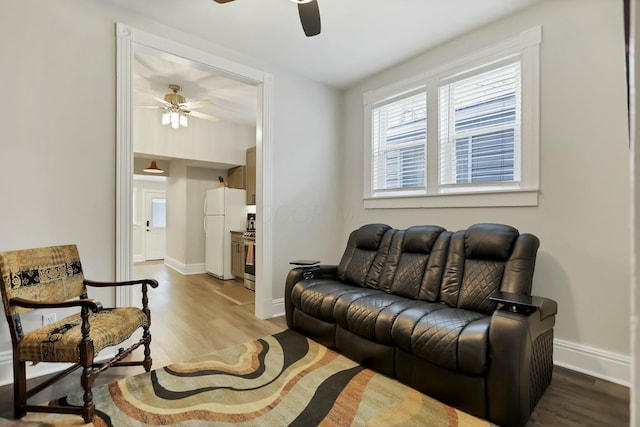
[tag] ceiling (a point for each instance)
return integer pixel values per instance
(232, 100)
(359, 38)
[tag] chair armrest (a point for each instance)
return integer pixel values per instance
(90, 303)
(304, 273)
(521, 346)
(520, 303)
(312, 272)
(151, 282)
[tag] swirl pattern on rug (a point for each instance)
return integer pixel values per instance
(279, 380)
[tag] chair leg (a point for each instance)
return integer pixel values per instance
(147, 350)
(19, 389)
(89, 408)
(88, 375)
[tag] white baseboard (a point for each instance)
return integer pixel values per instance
(183, 268)
(277, 307)
(34, 371)
(598, 363)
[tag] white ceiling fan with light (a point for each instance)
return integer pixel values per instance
(176, 108)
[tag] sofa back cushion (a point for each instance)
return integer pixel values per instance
(365, 254)
(409, 264)
(486, 259)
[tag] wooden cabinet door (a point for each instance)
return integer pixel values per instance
(237, 258)
(251, 176)
(235, 177)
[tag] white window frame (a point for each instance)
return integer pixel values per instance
(524, 47)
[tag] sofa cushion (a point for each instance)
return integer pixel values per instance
(317, 297)
(489, 241)
(480, 281)
(451, 338)
(365, 254)
(406, 321)
(475, 265)
(408, 266)
(371, 316)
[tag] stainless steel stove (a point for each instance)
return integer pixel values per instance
(249, 259)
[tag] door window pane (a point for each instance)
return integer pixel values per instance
(158, 213)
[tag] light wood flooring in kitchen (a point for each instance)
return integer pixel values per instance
(189, 319)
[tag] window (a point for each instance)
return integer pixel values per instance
(480, 128)
(465, 130)
(158, 213)
(399, 142)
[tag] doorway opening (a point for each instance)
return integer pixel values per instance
(130, 41)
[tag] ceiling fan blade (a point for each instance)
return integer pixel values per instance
(150, 106)
(203, 116)
(309, 17)
(196, 104)
(151, 95)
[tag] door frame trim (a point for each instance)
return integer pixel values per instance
(128, 40)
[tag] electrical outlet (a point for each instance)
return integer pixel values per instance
(48, 318)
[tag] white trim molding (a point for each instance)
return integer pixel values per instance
(40, 369)
(130, 40)
(592, 361)
(277, 307)
(182, 268)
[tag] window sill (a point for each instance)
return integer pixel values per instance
(510, 198)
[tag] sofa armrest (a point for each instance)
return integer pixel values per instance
(520, 303)
(304, 273)
(521, 346)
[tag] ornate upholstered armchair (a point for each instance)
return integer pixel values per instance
(52, 277)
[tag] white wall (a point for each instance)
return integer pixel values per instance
(221, 142)
(177, 212)
(582, 218)
(58, 144)
(306, 178)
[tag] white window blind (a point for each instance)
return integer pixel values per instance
(480, 128)
(399, 138)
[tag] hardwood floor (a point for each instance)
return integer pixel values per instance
(190, 319)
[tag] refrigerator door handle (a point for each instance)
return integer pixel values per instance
(204, 208)
(204, 224)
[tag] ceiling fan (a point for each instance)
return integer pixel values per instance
(309, 15)
(176, 108)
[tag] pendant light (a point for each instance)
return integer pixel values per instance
(153, 168)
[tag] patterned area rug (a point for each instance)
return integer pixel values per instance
(280, 380)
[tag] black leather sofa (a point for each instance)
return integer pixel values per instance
(449, 314)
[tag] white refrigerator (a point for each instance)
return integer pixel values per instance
(225, 209)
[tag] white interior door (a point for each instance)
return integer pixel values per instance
(155, 203)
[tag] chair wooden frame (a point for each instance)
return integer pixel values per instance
(90, 369)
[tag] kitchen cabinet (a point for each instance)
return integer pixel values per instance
(250, 180)
(235, 177)
(237, 255)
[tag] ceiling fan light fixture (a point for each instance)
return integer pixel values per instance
(183, 120)
(153, 168)
(166, 118)
(175, 119)
(302, 1)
